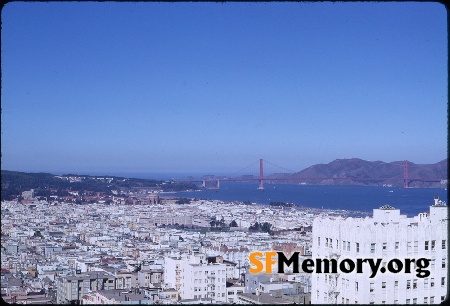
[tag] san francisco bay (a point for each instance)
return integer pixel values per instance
(410, 201)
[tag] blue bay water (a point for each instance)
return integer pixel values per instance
(410, 201)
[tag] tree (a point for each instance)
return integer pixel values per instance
(137, 268)
(233, 224)
(255, 227)
(183, 201)
(265, 227)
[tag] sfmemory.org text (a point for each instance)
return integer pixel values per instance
(264, 261)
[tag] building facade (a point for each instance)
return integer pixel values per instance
(387, 235)
(71, 288)
(171, 220)
(194, 278)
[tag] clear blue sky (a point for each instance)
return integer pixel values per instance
(212, 87)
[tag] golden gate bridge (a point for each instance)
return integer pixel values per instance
(214, 183)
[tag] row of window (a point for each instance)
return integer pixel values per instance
(425, 300)
(410, 284)
(205, 288)
(414, 300)
(199, 281)
(433, 245)
(346, 245)
(232, 292)
(207, 272)
(155, 276)
(408, 301)
(205, 296)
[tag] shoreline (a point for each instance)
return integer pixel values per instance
(297, 207)
(346, 200)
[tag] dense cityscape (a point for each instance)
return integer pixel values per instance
(144, 246)
(192, 153)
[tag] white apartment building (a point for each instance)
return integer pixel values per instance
(387, 235)
(204, 281)
(195, 279)
(173, 266)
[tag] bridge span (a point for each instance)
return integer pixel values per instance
(206, 183)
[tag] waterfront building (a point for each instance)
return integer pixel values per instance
(387, 235)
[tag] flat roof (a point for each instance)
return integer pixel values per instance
(264, 298)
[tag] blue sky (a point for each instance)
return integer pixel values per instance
(212, 87)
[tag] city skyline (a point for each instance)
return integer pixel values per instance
(212, 87)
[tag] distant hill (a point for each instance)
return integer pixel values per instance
(351, 171)
(355, 171)
(14, 182)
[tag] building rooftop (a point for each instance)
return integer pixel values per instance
(262, 298)
(92, 274)
(387, 207)
(123, 296)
